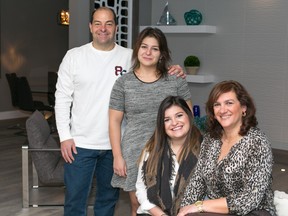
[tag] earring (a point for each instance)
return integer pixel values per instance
(244, 113)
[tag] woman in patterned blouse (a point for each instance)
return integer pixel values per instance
(234, 172)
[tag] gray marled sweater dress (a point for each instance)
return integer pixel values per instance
(140, 101)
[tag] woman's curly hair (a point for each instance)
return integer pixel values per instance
(249, 120)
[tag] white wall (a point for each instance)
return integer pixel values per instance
(250, 46)
(79, 32)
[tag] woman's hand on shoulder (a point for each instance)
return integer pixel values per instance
(177, 70)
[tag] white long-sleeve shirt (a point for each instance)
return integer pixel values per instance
(141, 190)
(85, 80)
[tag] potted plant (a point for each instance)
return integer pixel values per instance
(192, 64)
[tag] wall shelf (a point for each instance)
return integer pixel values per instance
(200, 78)
(185, 29)
(189, 29)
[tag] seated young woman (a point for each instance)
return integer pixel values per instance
(168, 159)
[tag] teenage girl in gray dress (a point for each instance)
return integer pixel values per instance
(137, 96)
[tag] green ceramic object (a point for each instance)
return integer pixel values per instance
(193, 17)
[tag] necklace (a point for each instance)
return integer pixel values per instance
(231, 141)
(227, 144)
(175, 149)
(146, 76)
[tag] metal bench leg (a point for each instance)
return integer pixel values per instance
(35, 183)
(25, 177)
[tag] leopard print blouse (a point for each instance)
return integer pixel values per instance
(243, 176)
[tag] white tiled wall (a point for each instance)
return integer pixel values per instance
(251, 46)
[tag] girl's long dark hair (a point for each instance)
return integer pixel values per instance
(159, 139)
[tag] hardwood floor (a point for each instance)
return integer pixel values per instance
(11, 179)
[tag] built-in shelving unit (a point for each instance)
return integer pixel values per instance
(200, 78)
(185, 29)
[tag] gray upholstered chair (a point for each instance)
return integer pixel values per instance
(45, 154)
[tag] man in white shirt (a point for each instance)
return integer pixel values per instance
(85, 79)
